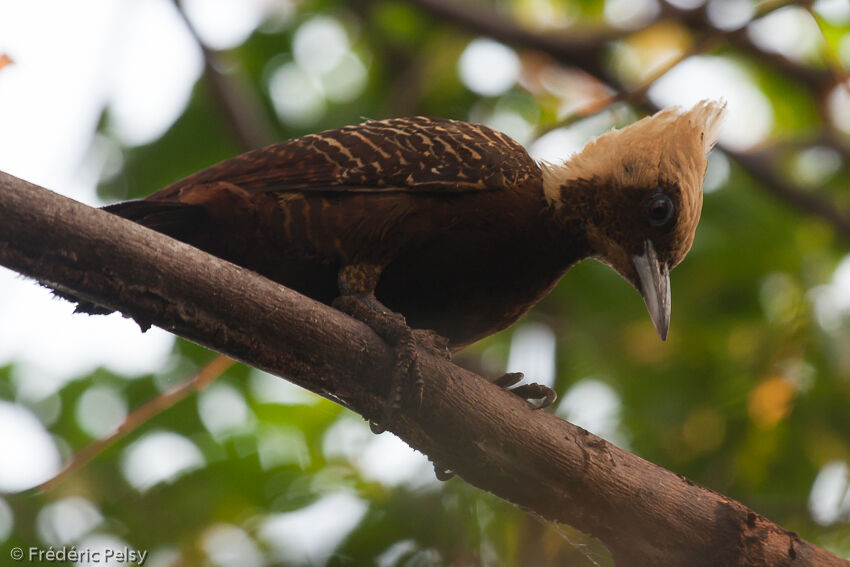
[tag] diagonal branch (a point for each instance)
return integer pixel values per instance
(588, 56)
(815, 79)
(643, 513)
(239, 106)
(582, 53)
(138, 417)
(758, 166)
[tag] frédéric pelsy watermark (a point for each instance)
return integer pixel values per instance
(126, 555)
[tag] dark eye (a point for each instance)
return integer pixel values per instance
(659, 209)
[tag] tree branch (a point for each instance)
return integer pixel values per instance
(584, 53)
(239, 106)
(643, 513)
(138, 417)
(815, 79)
(588, 55)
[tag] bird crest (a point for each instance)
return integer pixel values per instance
(667, 144)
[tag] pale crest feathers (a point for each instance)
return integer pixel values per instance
(671, 145)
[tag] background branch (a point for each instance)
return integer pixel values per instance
(238, 103)
(588, 54)
(815, 79)
(139, 416)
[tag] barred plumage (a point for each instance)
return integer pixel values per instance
(401, 154)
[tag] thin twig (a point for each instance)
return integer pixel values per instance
(833, 61)
(634, 95)
(817, 81)
(814, 79)
(237, 102)
(208, 374)
(588, 58)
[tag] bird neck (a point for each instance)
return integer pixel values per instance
(568, 215)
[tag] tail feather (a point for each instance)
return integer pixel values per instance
(176, 219)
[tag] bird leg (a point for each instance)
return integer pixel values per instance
(357, 284)
(528, 392)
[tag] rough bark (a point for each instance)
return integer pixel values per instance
(643, 513)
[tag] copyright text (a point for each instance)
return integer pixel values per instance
(72, 554)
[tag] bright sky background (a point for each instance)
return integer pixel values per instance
(50, 104)
(91, 54)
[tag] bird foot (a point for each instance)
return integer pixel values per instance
(393, 328)
(527, 392)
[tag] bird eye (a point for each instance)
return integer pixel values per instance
(659, 209)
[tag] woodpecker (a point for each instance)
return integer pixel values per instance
(451, 225)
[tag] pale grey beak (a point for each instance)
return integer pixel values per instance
(654, 287)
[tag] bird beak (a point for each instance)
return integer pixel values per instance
(654, 287)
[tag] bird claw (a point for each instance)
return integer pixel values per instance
(527, 392)
(508, 379)
(393, 328)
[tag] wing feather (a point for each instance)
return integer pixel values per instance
(403, 154)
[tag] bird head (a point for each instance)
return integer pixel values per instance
(637, 193)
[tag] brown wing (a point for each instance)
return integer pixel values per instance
(401, 154)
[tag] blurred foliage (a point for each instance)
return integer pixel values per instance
(749, 396)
